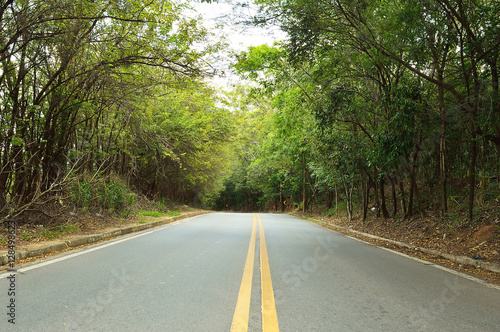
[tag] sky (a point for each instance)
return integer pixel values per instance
(224, 18)
(227, 13)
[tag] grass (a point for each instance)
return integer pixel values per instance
(313, 220)
(49, 234)
(70, 228)
(53, 233)
(26, 235)
(173, 213)
(155, 214)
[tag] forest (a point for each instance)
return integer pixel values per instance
(103, 102)
(375, 108)
(367, 109)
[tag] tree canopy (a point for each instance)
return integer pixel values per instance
(109, 87)
(381, 98)
(390, 108)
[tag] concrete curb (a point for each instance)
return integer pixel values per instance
(88, 239)
(493, 267)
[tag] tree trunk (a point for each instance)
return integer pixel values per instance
(402, 193)
(394, 197)
(419, 199)
(382, 197)
(498, 166)
(348, 197)
(409, 212)
(365, 188)
(442, 154)
(472, 177)
(377, 197)
(282, 204)
(475, 130)
(304, 205)
(337, 200)
(329, 199)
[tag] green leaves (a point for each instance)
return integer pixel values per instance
(182, 139)
(16, 141)
(106, 85)
(259, 59)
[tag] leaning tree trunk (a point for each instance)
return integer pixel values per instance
(475, 129)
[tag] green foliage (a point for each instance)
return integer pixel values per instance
(150, 213)
(86, 73)
(112, 195)
(362, 94)
(82, 193)
(181, 141)
(69, 228)
(26, 235)
(259, 59)
(96, 192)
(48, 234)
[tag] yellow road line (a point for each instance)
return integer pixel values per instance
(242, 310)
(269, 315)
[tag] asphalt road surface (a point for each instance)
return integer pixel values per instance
(233, 272)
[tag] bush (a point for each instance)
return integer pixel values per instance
(82, 194)
(342, 207)
(96, 192)
(112, 195)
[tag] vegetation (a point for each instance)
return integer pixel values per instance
(384, 106)
(102, 101)
(390, 108)
(151, 213)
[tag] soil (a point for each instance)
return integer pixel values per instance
(33, 234)
(480, 241)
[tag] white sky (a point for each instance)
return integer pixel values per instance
(224, 18)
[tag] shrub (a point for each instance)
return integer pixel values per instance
(82, 193)
(111, 193)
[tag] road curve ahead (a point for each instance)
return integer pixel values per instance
(238, 272)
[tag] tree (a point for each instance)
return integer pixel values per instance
(452, 46)
(180, 141)
(70, 71)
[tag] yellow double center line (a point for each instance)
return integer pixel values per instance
(242, 311)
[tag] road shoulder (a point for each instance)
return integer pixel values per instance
(489, 272)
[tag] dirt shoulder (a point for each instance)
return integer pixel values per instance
(480, 242)
(90, 226)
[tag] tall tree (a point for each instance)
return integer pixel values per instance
(65, 67)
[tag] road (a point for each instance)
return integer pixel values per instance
(228, 271)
